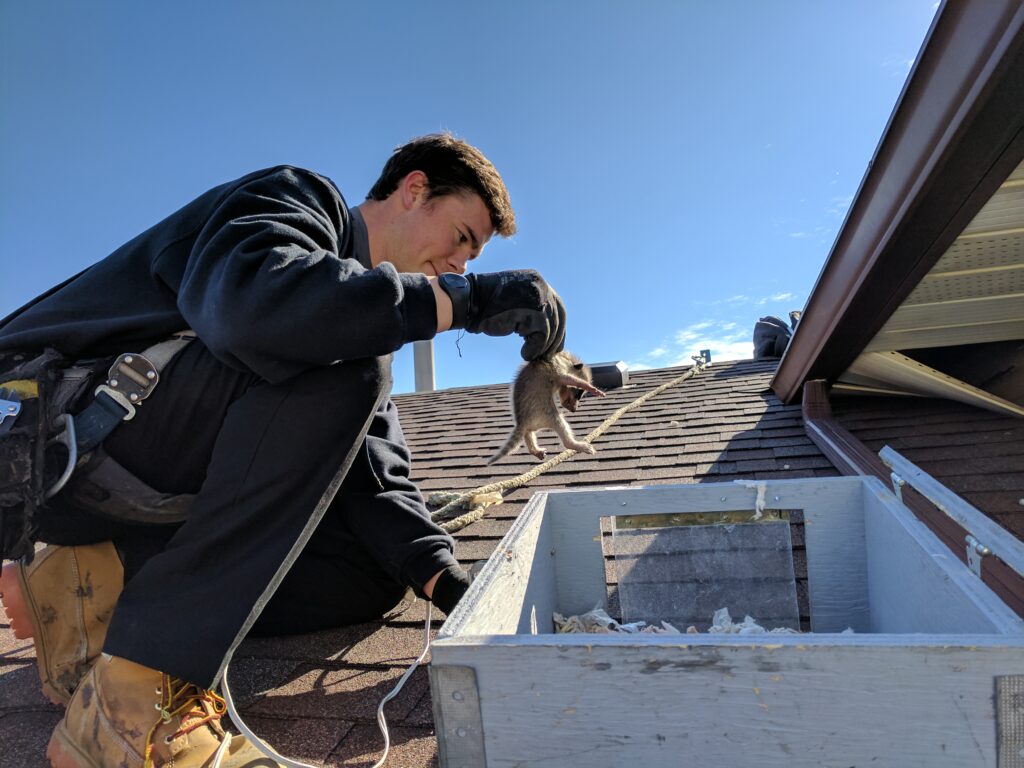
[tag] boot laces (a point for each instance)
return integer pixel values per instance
(194, 705)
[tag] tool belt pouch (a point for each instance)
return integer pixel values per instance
(103, 486)
(32, 399)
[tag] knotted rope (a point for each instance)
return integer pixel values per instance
(478, 499)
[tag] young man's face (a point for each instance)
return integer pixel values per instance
(441, 234)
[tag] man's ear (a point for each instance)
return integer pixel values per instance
(414, 187)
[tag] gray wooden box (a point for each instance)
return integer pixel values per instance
(933, 676)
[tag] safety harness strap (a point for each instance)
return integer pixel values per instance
(130, 380)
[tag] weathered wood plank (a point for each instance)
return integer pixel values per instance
(793, 703)
(516, 587)
(576, 520)
(837, 580)
(915, 584)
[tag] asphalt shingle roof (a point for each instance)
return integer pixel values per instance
(314, 696)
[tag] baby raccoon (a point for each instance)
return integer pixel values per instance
(533, 406)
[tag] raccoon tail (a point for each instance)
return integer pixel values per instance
(509, 446)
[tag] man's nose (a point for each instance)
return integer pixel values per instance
(458, 260)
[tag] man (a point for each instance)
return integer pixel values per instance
(276, 419)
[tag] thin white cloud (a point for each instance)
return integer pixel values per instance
(727, 340)
(721, 350)
(638, 366)
(840, 204)
(898, 66)
(775, 298)
(692, 332)
(798, 234)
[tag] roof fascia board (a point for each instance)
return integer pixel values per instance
(956, 133)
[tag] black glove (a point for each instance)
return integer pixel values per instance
(517, 301)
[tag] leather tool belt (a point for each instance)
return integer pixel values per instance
(42, 445)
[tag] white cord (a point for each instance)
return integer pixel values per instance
(222, 750)
(382, 723)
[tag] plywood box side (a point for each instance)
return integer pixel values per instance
(459, 649)
(837, 563)
(796, 704)
(576, 518)
(915, 584)
(739, 494)
(516, 588)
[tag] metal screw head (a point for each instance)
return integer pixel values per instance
(113, 382)
(461, 732)
(722, 499)
(457, 695)
(150, 375)
(776, 498)
(133, 397)
(128, 359)
(12, 408)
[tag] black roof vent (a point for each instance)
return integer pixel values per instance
(610, 375)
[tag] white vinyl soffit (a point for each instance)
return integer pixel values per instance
(973, 294)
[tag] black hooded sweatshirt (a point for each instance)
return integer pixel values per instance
(272, 272)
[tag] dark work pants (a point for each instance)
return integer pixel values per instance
(265, 546)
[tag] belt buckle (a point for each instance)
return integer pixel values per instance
(133, 377)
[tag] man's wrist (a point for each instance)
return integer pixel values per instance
(460, 292)
(448, 587)
(443, 304)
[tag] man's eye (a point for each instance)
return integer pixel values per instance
(462, 237)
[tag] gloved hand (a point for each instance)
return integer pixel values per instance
(517, 301)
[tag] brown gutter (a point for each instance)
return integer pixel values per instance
(851, 457)
(956, 133)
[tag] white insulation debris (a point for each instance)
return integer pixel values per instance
(759, 502)
(598, 621)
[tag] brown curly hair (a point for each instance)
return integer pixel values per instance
(452, 167)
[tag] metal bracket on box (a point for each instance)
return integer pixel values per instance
(897, 485)
(997, 543)
(975, 551)
(459, 726)
(1010, 721)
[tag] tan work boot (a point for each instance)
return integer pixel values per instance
(127, 715)
(63, 600)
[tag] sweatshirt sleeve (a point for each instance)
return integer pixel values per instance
(385, 511)
(267, 289)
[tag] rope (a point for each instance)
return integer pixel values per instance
(454, 501)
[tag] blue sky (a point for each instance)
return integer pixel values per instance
(678, 169)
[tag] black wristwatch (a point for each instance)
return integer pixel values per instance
(460, 292)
